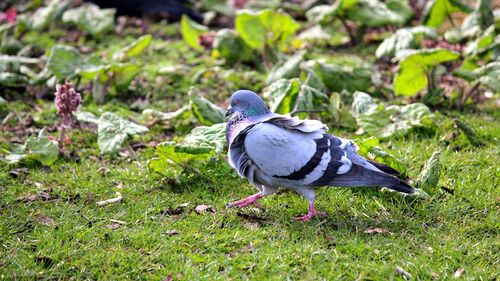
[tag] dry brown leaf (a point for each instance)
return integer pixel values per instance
(27, 198)
(459, 272)
(204, 208)
(171, 232)
(45, 220)
(252, 225)
(375, 230)
(113, 226)
(44, 195)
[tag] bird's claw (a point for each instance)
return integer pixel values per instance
(247, 201)
(311, 214)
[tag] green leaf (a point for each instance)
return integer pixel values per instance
(488, 41)
(85, 116)
(37, 148)
(91, 19)
(289, 69)
(9, 79)
(191, 31)
(370, 149)
(384, 122)
(374, 13)
(474, 24)
(232, 47)
(206, 112)
(362, 102)
(415, 66)
(338, 78)
(41, 149)
(437, 11)
(429, 177)
(123, 74)
(44, 16)
(264, 27)
(133, 49)
(310, 98)
(282, 95)
(404, 38)
(112, 131)
(63, 61)
(172, 159)
(182, 112)
(213, 137)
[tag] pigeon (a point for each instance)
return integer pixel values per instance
(273, 151)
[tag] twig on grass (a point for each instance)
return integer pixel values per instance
(118, 198)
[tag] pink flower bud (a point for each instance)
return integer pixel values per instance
(67, 100)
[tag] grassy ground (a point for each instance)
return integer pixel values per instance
(51, 227)
(62, 233)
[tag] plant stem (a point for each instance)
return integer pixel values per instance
(469, 94)
(352, 36)
(265, 57)
(130, 150)
(61, 138)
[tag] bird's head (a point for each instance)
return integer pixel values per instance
(247, 103)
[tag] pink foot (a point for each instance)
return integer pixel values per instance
(247, 201)
(311, 214)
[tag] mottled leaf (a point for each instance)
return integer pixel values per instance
(63, 61)
(113, 130)
(404, 38)
(90, 18)
(205, 111)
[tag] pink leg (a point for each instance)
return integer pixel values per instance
(311, 214)
(247, 201)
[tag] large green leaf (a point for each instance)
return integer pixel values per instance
(415, 66)
(374, 13)
(437, 11)
(90, 18)
(370, 149)
(232, 47)
(404, 38)
(481, 46)
(474, 24)
(213, 137)
(113, 130)
(310, 98)
(338, 78)
(282, 95)
(133, 49)
(362, 102)
(38, 148)
(205, 111)
(289, 69)
(172, 159)
(488, 75)
(44, 16)
(191, 31)
(264, 27)
(63, 61)
(123, 74)
(384, 122)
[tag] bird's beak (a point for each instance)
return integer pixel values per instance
(229, 112)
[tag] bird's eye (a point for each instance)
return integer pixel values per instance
(236, 102)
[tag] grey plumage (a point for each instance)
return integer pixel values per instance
(273, 150)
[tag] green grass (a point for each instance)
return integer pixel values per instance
(430, 238)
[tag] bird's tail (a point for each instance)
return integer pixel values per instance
(361, 176)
